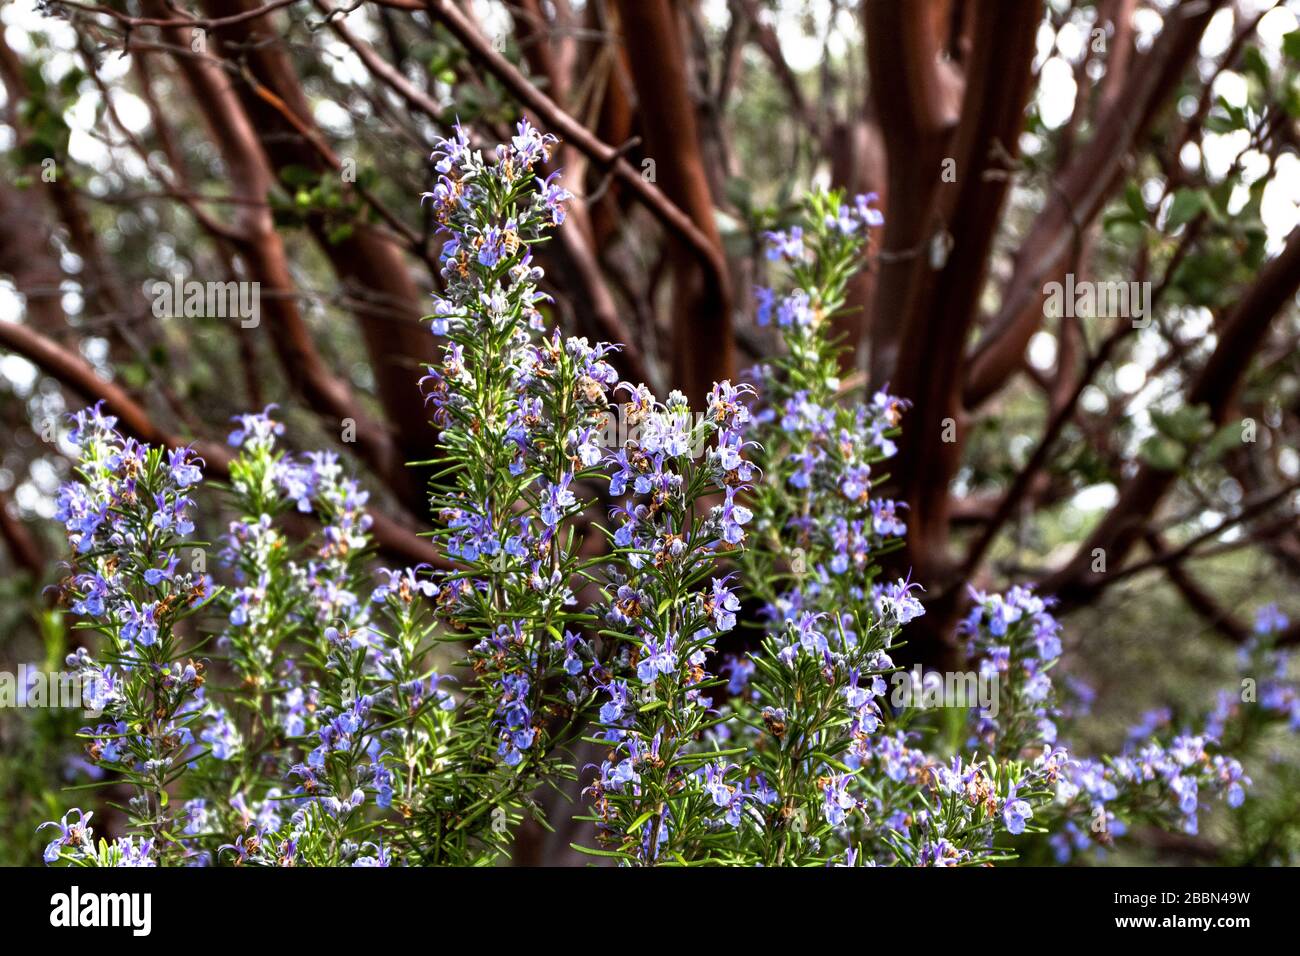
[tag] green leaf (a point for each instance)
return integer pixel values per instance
(636, 824)
(1187, 204)
(339, 233)
(590, 852)
(1224, 440)
(296, 175)
(1184, 425)
(1162, 452)
(1133, 199)
(1291, 45)
(1254, 64)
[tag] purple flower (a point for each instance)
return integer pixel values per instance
(836, 799)
(723, 604)
(222, 736)
(155, 576)
(862, 204)
(131, 854)
(611, 712)
(884, 518)
(181, 462)
(733, 517)
(856, 483)
(74, 833)
(740, 670)
(514, 718)
(795, 311)
(785, 245)
(1015, 812)
(895, 602)
(553, 198)
(403, 584)
(91, 423)
(94, 589)
(723, 795)
(450, 154)
(256, 432)
(81, 514)
(764, 298)
(557, 499)
(1269, 620)
(530, 146)
(807, 634)
(656, 658)
(572, 661)
(380, 858)
(140, 625)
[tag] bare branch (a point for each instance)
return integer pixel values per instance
(569, 129)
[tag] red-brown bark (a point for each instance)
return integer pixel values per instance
(370, 265)
(262, 252)
(1081, 191)
(702, 346)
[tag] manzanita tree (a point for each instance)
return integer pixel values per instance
(301, 707)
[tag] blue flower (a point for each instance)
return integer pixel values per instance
(869, 215)
(740, 670)
(133, 855)
(222, 736)
(611, 712)
(764, 299)
(71, 834)
(836, 799)
(256, 432)
(572, 661)
(724, 796)
(1269, 620)
(795, 311)
(91, 424)
(184, 467)
(529, 145)
(155, 576)
(451, 154)
(723, 604)
(1015, 812)
(807, 634)
(94, 590)
(733, 517)
(82, 514)
(552, 199)
(379, 859)
(785, 245)
(140, 625)
(656, 658)
(557, 499)
(403, 584)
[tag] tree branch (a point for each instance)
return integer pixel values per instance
(1239, 336)
(702, 345)
(79, 375)
(1079, 195)
(569, 129)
